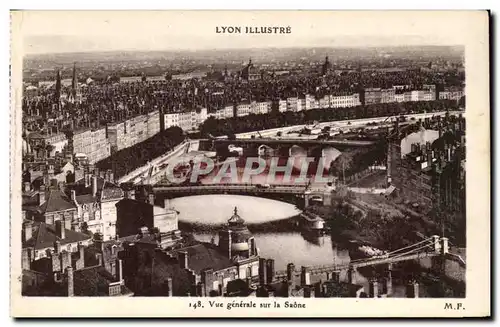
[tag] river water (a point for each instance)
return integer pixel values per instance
(288, 246)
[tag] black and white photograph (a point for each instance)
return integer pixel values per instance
(249, 162)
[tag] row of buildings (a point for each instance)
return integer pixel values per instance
(98, 143)
(430, 169)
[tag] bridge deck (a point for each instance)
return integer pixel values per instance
(230, 188)
(369, 262)
(296, 141)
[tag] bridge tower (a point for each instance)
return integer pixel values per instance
(441, 247)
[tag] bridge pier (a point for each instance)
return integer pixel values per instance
(352, 275)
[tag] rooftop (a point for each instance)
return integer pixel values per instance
(44, 236)
(205, 255)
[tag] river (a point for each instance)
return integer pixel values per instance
(288, 246)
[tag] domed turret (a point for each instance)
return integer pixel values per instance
(236, 241)
(235, 219)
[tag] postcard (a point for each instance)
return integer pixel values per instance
(250, 164)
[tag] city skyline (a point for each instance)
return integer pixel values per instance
(163, 31)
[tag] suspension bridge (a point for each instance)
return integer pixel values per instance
(433, 246)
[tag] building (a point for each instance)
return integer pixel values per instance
(388, 95)
(291, 104)
(243, 109)
(192, 268)
(372, 96)
(50, 205)
(282, 105)
(172, 119)
(345, 100)
(324, 102)
(48, 143)
(95, 196)
(134, 215)
(57, 262)
(451, 93)
(250, 72)
(40, 240)
(260, 108)
(137, 129)
(93, 143)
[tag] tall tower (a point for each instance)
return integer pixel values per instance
(58, 89)
(75, 94)
(326, 66)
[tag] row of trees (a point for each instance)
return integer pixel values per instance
(217, 127)
(129, 159)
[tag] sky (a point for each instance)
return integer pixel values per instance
(71, 31)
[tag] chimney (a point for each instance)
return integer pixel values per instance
(429, 158)
(183, 260)
(57, 247)
(67, 223)
(60, 231)
(69, 271)
(151, 199)
(99, 258)
(167, 204)
(28, 230)
(41, 195)
(270, 271)
(27, 186)
(73, 195)
(119, 272)
(80, 263)
(94, 185)
(305, 276)
(262, 271)
(111, 177)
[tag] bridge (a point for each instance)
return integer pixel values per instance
(283, 146)
(434, 247)
(294, 190)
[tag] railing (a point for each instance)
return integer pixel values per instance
(420, 250)
(232, 187)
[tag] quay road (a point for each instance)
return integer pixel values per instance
(341, 124)
(141, 173)
(293, 141)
